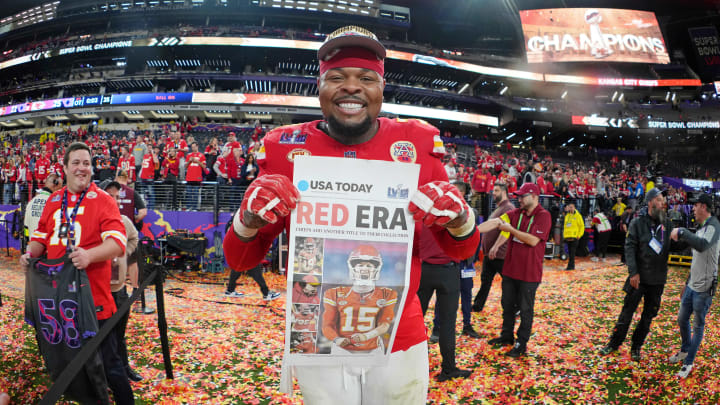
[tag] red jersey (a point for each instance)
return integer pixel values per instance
(57, 168)
(195, 169)
(347, 312)
(24, 173)
(10, 172)
(181, 147)
(581, 192)
(479, 182)
(490, 184)
(232, 146)
(128, 164)
(233, 167)
(42, 169)
(97, 219)
(410, 141)
(171, 166)
(147, 171)
(221, 164)
(305, 322)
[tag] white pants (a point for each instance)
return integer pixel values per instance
(403, 381)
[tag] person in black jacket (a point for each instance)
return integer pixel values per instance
(647, 248)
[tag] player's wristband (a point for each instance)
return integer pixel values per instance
(466, 228)
(29, 253)
(241, 230)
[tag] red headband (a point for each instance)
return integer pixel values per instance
(354, 57)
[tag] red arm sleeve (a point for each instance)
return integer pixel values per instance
(459, 249)
(242, 256)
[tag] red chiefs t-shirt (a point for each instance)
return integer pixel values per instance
(128, 164)
(232, 146)
(42, 169)
(221, 165)
(147, 172)
(181, 147)
(10, 172)
(194, 169)
(57, 168)
(97, 219)
(405, 141)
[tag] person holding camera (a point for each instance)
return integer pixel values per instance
(700, 285)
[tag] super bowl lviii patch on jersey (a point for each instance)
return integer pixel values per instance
(403, 151)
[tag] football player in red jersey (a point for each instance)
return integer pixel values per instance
(355, 318)
(308, 258)
(305, 317)
(84, 222)
(350, 89)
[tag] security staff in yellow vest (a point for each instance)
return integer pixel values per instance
(573, 230)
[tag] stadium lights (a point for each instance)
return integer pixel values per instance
(564, 95)
(504, 90)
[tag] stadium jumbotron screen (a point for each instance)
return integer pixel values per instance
(592, 34)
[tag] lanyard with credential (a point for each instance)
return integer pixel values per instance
(532, 218)
(662, 233)
(68, 226)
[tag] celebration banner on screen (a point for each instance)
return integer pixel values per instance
(592, 34)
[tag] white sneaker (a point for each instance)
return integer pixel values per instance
(234, 294)
(594, 259)
(271, 295)
(678, 357)
(685, 370)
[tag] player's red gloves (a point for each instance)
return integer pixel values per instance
(267, 199)
(440, 203)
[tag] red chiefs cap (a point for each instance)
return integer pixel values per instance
(528, 188)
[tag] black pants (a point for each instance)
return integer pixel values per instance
(490, 268)
(120, 297)
(115, 370)
(602, 243)
(651, 294)
(572, 245)
(444, 280)
(517, 294)
(256, 273)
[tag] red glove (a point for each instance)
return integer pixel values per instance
(438, 202)
(269, 197)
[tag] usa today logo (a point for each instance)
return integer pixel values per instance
(320, 185)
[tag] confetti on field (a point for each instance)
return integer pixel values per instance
(229, 350)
